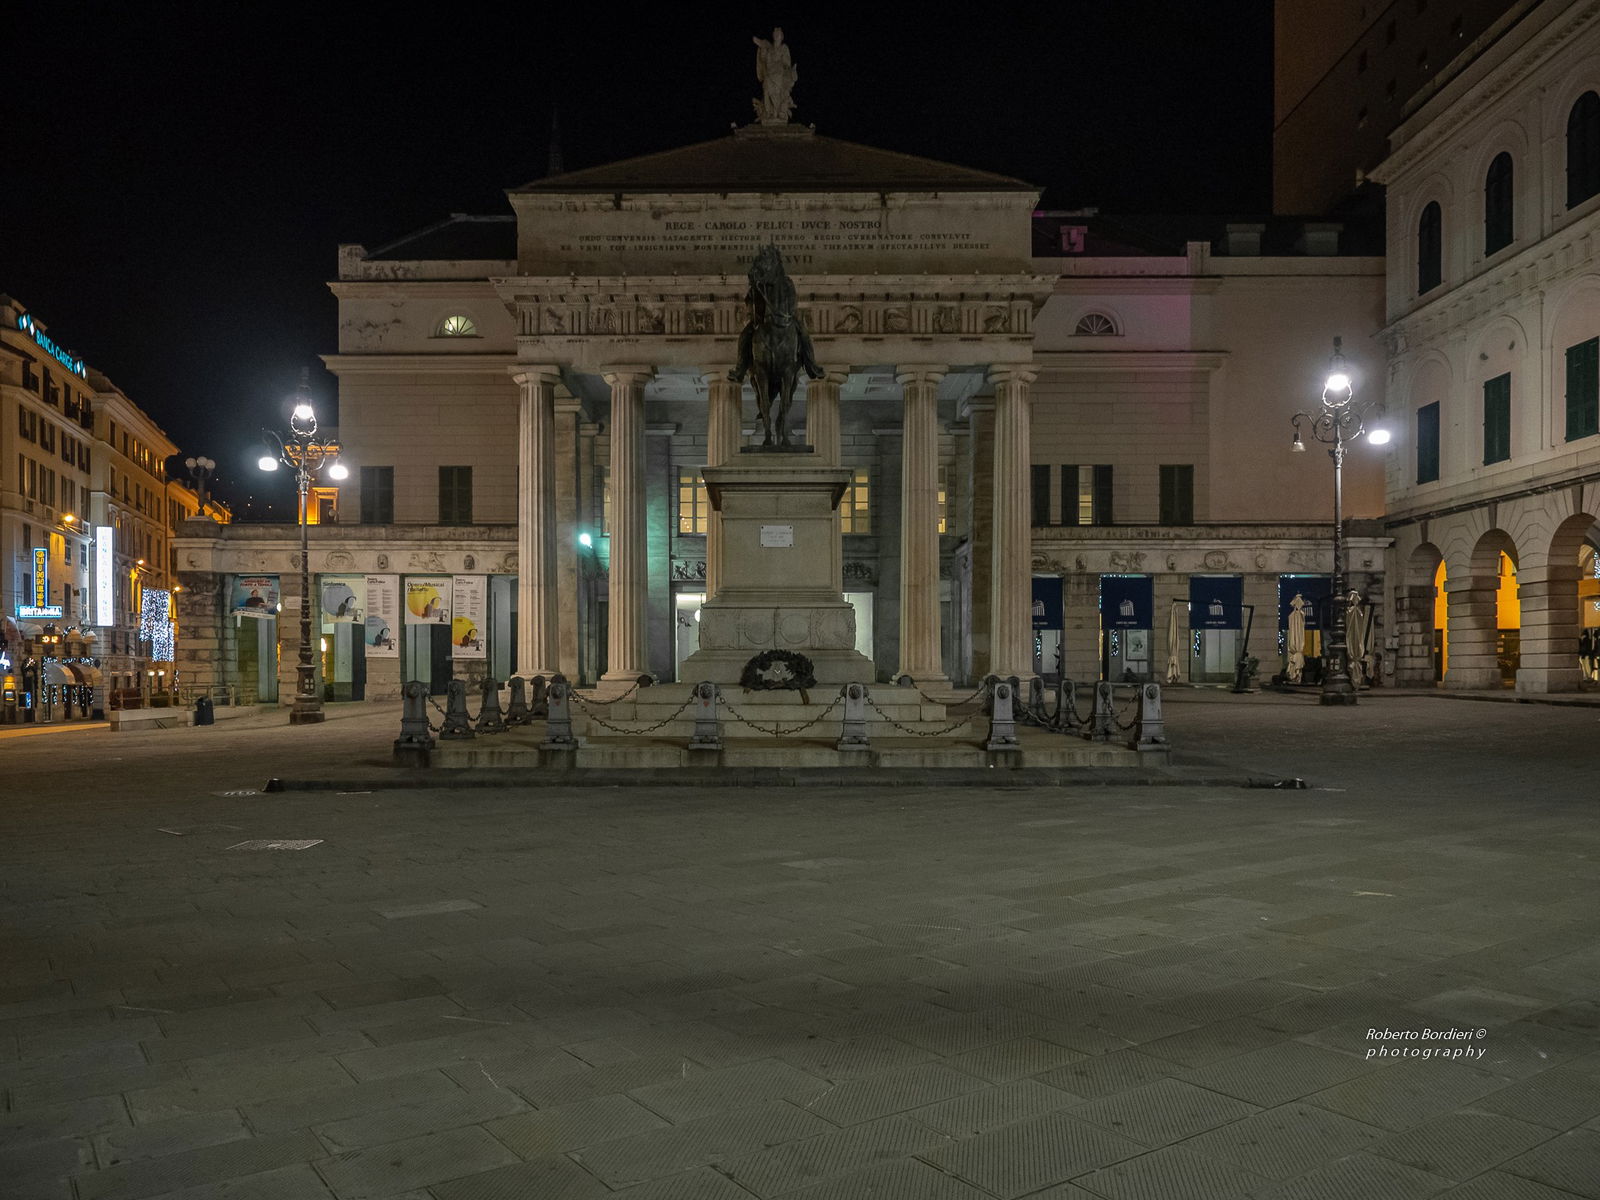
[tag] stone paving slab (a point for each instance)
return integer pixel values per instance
(940, 993)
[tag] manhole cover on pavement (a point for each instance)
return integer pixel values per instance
(277, 844)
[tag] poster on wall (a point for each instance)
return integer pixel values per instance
(255, 595)
(428, 600)
(343, 599)
(382, 623)
(470, 619)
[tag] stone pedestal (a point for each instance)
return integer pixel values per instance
(779, 562)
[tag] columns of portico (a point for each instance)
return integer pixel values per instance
(920, 655)
(724, 405)
(1547, 597)
(538, 599)
(1011, 594)
(822, 415)
(1471, 661)
(627, 654)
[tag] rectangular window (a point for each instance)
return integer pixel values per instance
(1177, 494)
(1428, 443)
(694, 507)
(30, 377)
(1041, 495)
(1086, 495)
(1583, 389)
(855, 507)
(455, 495)
(944, 500)
(1100, 509)
(377, 495)
(605, 501)
(1497, 419)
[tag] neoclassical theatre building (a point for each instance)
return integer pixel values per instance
(1069, 439)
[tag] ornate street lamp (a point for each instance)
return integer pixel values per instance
(304, 454)
(1335, 423)
(199, 469)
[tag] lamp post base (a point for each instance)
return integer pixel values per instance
(306, 717)
(1339, 698)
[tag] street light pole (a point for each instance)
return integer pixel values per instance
(304, 454)
(1335, 423)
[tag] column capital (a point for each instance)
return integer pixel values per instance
(525, 375)
(913, 373)
(623, 376)
(1023, 373)
(831, 378)
(716, 373)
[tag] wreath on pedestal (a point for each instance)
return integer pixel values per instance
(778, 670)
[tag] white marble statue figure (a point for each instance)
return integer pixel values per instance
(777, 73)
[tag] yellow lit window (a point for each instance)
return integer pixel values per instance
(944, 505)
(854, 507)
(458, 325)
(693, 504)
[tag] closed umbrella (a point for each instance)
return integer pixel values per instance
(1355, 638)
(1173, 665)
(1297, 638)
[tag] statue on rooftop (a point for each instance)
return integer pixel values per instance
(774, 346)
(776, 71)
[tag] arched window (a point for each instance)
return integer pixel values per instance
(1497, 204)
(1583, 149)
(1095, 325)
(457, 325)
(1430, 247)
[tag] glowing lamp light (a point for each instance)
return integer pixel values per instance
(1338, 382)
(302, 412)
(267, 463)
(586, 541)
(1379, 437)
(338, 471)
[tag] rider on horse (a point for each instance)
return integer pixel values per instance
(772, 298)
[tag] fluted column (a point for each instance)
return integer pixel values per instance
(920, 655)
(538, 599)
(1011, 585)
(724, 418)
(627, 652)
(822, 415)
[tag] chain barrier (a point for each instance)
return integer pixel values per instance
(434, 704)
(961, 724)
(777, 729)
(667, 720)
(586, 703)
(1131, 707)
(912, 684)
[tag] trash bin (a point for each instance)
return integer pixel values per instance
(204, 714)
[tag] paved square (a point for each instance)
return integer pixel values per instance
(964, 993)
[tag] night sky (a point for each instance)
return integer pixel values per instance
(176, 179)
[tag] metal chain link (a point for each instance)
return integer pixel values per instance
(600, 703)
(917, 732)
(667, 720)
(1134, 708)
(777, 729)
(982, 689)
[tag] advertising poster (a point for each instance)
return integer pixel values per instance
(343, 599)
(428, 600)
(470, 618)
(383, 616)
(255, 595)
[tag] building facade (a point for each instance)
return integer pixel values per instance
(84, 530)
(1042, 429)
(1493, 327)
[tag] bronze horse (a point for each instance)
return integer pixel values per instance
(774, 346)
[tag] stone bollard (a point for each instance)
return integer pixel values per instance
(1102, 721)
(538, 703)
(517, 709)
(414, 746)
(558, 726)
(489, 718)
(853, 736)
(707, 731)
(1150, 733)
(1066, 705)
(457, 724)
(1002, 725)
(1036, 702)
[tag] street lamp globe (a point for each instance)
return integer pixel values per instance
(1379, 437)
(267, 463)
(338, 471)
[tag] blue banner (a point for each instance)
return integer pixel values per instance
(1047, 609)
(1314, 589)
(1216, 601)
(1126, 602)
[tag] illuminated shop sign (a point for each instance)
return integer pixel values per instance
(41, 576)
(104, 575)
(75, 365)
(41, 612)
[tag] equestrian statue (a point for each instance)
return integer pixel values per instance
(773, 346)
